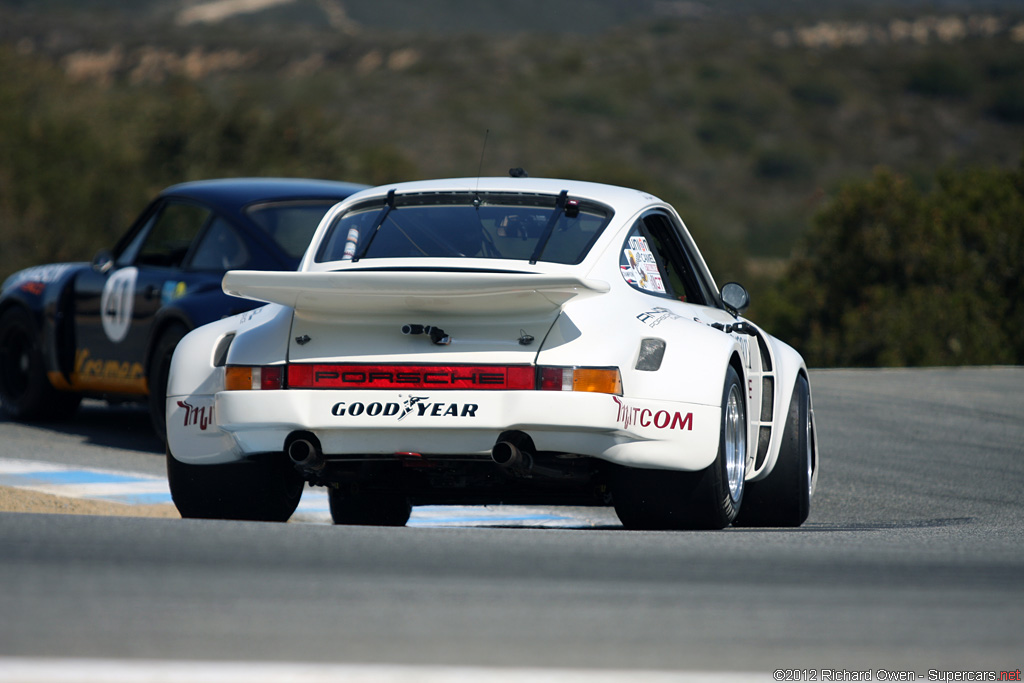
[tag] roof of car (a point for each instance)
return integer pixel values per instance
(619, 197)
(623, 200)
(238, 192)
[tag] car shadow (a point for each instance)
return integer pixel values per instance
(124, 426)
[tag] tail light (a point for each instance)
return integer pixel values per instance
(244, 377)
(598, 380)
(433, 377)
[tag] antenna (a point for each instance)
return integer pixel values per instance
(480, 167)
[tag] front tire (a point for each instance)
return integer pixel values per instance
(783, 498)
(267, 489)
(25, 391)
(709, 499)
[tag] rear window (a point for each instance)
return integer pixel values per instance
(291, 224)
(556, 229)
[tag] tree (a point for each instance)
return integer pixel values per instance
(891, 276)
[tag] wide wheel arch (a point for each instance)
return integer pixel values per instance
(783, 497)
(706, 499)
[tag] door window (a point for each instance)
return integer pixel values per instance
(654, 260)
(221, 248)
(165, 239)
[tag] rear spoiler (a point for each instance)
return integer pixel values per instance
(377, 292)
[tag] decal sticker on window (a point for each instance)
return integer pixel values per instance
(117, 303)
(638, 266)
(350, 244)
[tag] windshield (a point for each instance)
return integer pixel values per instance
(291, 224)
(467, 225)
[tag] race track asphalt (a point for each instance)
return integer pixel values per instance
(912, 559)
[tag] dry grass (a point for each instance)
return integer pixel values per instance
(24, 500)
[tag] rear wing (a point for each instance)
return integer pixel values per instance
(365, 292)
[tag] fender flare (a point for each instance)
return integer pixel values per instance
(194, 366)
(789, 365)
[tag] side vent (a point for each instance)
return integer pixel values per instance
(652, 351)
(220, 354)
(766, 357)
(764, 437)
(767, 398)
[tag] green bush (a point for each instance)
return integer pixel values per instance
(940, 77)
(783, 164)
(891, 276)
(817, 92)
(1008, 104)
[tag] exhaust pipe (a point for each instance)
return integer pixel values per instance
(508, 456)
(305, 451)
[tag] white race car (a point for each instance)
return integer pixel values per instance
(493, 340)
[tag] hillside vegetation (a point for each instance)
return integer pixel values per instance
(750, 120)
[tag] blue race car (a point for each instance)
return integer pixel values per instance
(107, 329)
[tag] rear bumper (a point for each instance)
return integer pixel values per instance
(229, 426)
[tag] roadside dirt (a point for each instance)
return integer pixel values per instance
(22, 500)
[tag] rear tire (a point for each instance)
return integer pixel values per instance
(267, 489)
(709, 499)
(783, 498)
(351, 506)
(25, 391)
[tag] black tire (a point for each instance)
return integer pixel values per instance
(157, 373)
(783, 498)
(25, 391)
(266, 489)
(351, 506)
(660, 499)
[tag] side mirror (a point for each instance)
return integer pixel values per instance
(735, 297)
(103, 261)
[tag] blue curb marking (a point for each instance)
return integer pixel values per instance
(141, 499)
(72, 482)
(67, 477)
(142, 489)
(315, 508)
